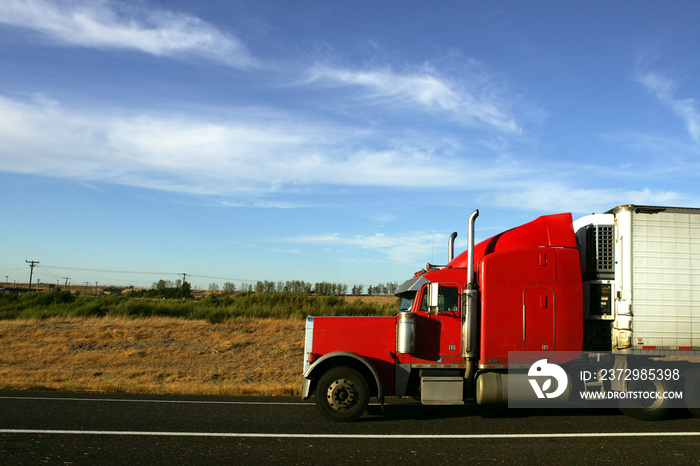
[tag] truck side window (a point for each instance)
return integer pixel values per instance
(448, 300)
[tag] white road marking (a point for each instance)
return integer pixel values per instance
(124, 400)
(352, 436)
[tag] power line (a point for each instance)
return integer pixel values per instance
(43, 268)
(12, 270)
(108, 271)
(146, 273)
(225, 278)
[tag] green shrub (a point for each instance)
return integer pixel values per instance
(213, 309)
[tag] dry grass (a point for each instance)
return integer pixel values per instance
(375, 299)
(154, 355)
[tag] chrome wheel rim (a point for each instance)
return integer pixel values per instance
(342, 394)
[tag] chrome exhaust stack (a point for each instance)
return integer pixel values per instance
(470, 248)
(451, 247)
(470, 296)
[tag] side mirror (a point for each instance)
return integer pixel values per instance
(433, 295)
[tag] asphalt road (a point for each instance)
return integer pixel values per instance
(80, 428)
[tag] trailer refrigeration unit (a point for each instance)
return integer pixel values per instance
(625, 283)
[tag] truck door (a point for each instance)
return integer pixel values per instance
(538, 322)
(439, 336)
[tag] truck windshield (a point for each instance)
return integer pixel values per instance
(406, 302)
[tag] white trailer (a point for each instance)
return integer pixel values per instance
(641, 271)
(641, 281)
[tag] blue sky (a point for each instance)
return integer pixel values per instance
(328, 141)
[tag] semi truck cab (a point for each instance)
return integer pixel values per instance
(552, 288)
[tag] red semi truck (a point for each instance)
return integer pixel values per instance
(624, 284)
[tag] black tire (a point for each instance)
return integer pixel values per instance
(692, 394)
(342, 394)
(647, 409)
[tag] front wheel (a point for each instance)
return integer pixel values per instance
(342, 394)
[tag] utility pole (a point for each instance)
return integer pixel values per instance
(31, 271)
(67, 278)
(184, 275)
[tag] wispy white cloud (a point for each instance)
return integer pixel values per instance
(406, 248)
(430, 91)
(250, 153)
(664, 89)
(284, 251)
(107, 24)
(662, 155)
(554, 197)
(257, 159)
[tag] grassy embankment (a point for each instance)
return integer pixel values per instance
(242, 345)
